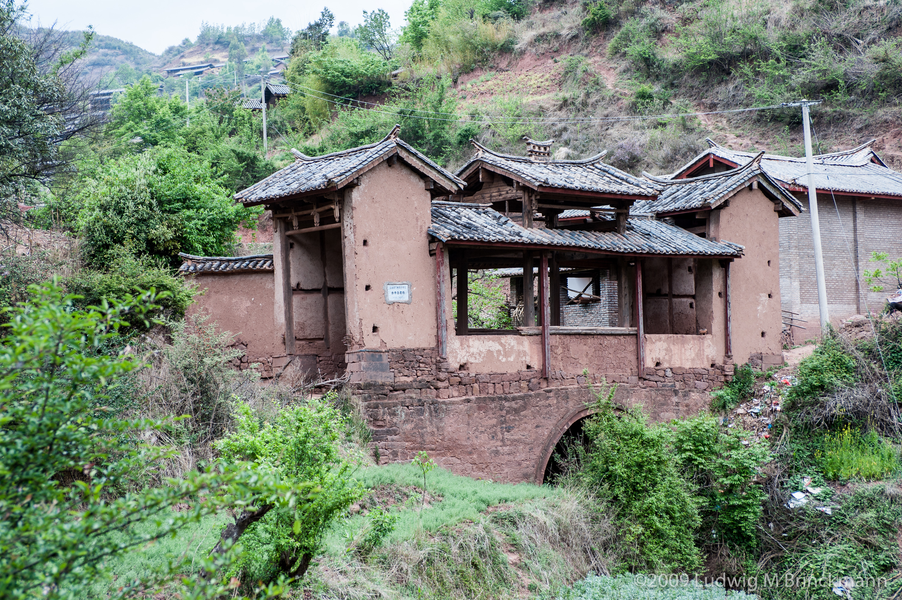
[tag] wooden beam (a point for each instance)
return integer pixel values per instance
(312, 229)
(528, 210)
(555, 291)
(283, 284)
(624, 294)
(669, 296)
(620, 221)
(441, 323)
(640, 319)
(529, 310)
(462, 283)
(546, 315)
(325, 289)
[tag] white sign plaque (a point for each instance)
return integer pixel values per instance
(397, 292)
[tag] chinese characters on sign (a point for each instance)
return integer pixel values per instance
(397, 293)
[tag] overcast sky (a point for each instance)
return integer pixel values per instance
(157, 24)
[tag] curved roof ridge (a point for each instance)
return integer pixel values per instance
(755, 163)
(582, 161)
(850, 152)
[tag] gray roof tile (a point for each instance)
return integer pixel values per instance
(852, 171)
(459, 222)
(330, 171)
(224, 264)
(589, 175)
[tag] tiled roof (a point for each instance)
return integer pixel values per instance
(459, 222)
(589, 175)
(224, 264)
(709, 191)
(851, 171)
(279, 89)
(333, 171)
(252, 104)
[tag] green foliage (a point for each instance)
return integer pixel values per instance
(825, 370)
(486, 302)
(301, 445)
(636, 40)
(677, 587)
(381, 524)
(460, 40)
(631, 465)
(425, 465)
(737, 391)
(157, 204)
(130, 277)
(849, 454)
(725, 34)
(141, 119)
(18, 273)
(598, 16)
(314, 36)
(420, 17)
(375, 32)
(888, 274)
(67, 466)
(492, 9)
(345, 69)
(721, 463)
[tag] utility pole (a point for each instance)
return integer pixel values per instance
(187, 103)
(263, 91)
(815, 222)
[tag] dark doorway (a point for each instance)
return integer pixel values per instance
(569, 453)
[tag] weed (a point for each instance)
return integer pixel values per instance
(849, 454)
(735, 392)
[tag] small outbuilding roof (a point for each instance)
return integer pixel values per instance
(858, 170)
(468, 223)
(710, 191)
(589, 175)
(252, 104)
(330, 172)
(224, 264)
(278, 89)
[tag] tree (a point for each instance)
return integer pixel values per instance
(315, 35)
(376, 33)
(419, 16)
(42, 103)
(299, 445)
(889, 275)
(69, 468)
(141, 119)
(275, 32)
(157, 204)
(344, 29)
(237, 54)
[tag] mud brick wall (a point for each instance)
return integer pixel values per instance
(500, 426)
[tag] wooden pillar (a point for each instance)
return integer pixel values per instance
(528, 211)
(640, 318)
(728, 347)
(625, 288)
(441, 323)
(529, 308)
(546, 315)
(463, 324)
(555, 291)
(282, 272)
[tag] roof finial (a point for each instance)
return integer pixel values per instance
(299, 155)
(393, 134)
(538, 151)
(712, 143)
(756, 162)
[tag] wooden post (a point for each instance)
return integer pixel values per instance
(640, 318)
(529, 307)
(463, 325)
(546, 316)
(555, 290)
(325, 288)
(624, 294)
(441, 323)
(528, 211)
(728, 350)
(282, 267)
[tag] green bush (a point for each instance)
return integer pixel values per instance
(598, 15)
(828, 368)
(301, 445)
(346, 69)
(736, 391)
(632, 466)
(129, 276)
(18, 273)
(850, 454)
(157, 204)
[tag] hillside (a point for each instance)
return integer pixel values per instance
(107, 54)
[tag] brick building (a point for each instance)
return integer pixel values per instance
(860, 202)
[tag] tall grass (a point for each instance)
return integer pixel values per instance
(850, 454)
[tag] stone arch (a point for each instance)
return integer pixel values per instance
(557, 432)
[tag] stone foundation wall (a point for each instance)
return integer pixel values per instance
(501, 426)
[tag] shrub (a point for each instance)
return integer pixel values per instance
(825, 370)
(850, 454)
(18, 273)
(346, 69)
(300, 446)
(632, 466)
(129, 276)
(598, 15)
(737, 391)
